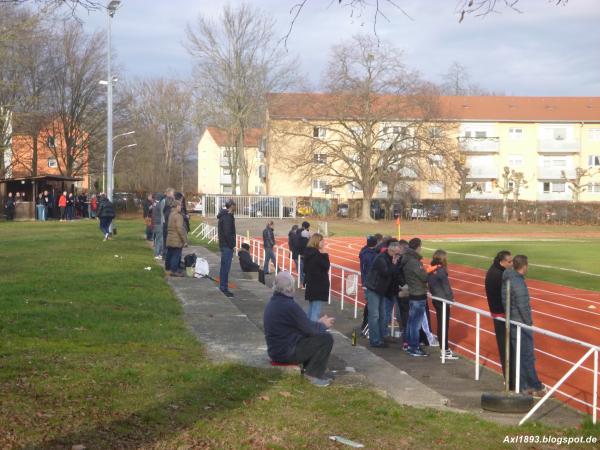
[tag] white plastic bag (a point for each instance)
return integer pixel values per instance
(201, 268)
(351, 284)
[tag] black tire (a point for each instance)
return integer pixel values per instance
(512, 403)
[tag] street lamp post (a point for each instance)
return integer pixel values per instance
(118, 151)
(111, 9)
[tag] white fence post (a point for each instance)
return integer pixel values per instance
(478, 326)
(330, 287)
(300, 271)
(342, 290)
(595, 399)
(518, 361)
(356, 300)
(444, 331)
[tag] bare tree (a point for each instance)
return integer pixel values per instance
(519, 182)
(459, 173)
(457, 81)
(480, 8)
(576, 185)
(505, 188)
(376, 115)
(237, 62)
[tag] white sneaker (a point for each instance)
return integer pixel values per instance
(158, 258)
(449, 354)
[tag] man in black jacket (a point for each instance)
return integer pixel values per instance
(226, 228)
(269, 243)
(379, 280)
(493, 291)
(303, 235)
(106, 214)
(246, 263)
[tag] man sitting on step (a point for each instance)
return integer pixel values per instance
(246, 263)
(293, 338)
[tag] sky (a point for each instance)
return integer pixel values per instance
(544, 50)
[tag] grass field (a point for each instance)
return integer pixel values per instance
(94, 351)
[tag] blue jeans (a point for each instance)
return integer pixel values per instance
(376, 305)
(158, 241)
(416, 313)
(69, 212)
(269, 256)
(528, 378)
(389, 307)
(314, 310)
(41, 212)
(226, 257)
(105, 225)
(173, 259)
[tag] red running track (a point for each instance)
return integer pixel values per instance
(568, 311)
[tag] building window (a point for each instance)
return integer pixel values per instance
(546, 187)
(594, 160)
(559, 134)
(435, 187)
(226, 171)
(52, 163)
(319, 132)
(354, 187)
(436, 160)
(435, 132)
(226, 189)
(594, 134)
(593, 188)
(319, 185)
(515, 160)
(397, 130)
(554, 162)
(515, 133)
(51, 142)
(558, 187)
(258, 190)
(320, 158)
(511, 184)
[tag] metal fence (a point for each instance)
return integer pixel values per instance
(265, 206)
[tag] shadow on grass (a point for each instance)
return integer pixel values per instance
(221, 389)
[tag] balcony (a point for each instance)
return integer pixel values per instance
(479, 145)
(224, 162)
(483, 172)
(225, 179)
(558, 146)
(554, 173)
(555, 196)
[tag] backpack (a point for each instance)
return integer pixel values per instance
(201, 268)
(190, 260)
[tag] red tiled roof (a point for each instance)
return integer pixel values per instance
(252, 136)
(476, 108)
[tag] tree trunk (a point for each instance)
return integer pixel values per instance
(365, 215)
(34, 156)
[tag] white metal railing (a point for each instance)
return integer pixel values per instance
(265, 206)
(592, 349)
(339, 280)
(206, 231)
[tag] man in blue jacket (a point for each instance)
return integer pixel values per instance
(293, 338)
(226, 229)
(520, 311)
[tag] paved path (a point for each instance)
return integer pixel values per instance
(231, 330)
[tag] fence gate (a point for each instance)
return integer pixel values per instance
(265, 206)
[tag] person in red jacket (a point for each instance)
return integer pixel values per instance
(93, 206)
(62, 204)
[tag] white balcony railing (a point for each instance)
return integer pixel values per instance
(482, 145)
(555, 196)
(558, 146)
(224, 162)
(483, 172)
(225, 179)
(555, 173)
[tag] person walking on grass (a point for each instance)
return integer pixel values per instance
(62, 205)
(176, 240)
(292, 337)
(520, 311)
(106, 214)
(316, 276)
(379, 280)
(493, 291)
(439, 286)
(269, 243)
(226, 229)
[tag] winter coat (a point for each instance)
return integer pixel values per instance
(316, 274)
(177, 235)
(147, 207)
(381, 275)
(439, 284)
(94, 204)
(268, 237)
(157, 217)
(62, 201)
(414, 274)
(285, 323)
(10, 203)
(293, 243)
(302, 240)
(106, 209)
(246, 263)
(366, 257)
(493, 288)
(520, 303)
(226, 228)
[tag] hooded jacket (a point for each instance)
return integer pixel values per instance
(366, 257)
(493, 289)
(520, 303)
(226, 228)
(106, 209)
(316, 274)
(415, 275)
(381, 275)
(246, 263)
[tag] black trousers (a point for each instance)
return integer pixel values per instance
(439, 308)
(500, 330)
(313, 353)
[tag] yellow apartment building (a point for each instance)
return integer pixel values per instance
(545, 138)
(214, 174)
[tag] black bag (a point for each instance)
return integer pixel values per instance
(261, 276)
(190, 260)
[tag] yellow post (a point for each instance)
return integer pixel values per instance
(248, 236)
(398, 223)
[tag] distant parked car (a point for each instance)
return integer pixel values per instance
(196, 207)
(267, 207)
(377, 211)
(343, 210)
(417, 211)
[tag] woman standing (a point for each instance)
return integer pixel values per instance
(176, 240)
(316, 275)
(70, 206)
(439, 286)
